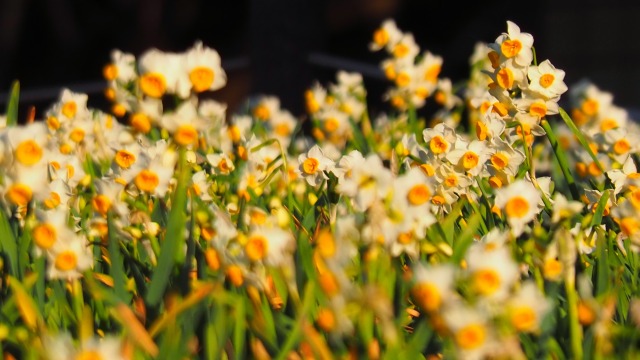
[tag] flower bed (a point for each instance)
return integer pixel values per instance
(502, 226)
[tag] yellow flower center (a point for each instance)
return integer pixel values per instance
(495, 182)
(608, 124)
(140, 122)
(212, 258)
(494, 59)
(586, 315)
(101, 204)
(118, 110)
(381, 37)
(398, 102)
(76, 135)
(261, 112)
(482, 131)
(390, 72)
(89, 355)
(401, 50)
(331, 124)
(282, 129)
(428, 169)
(552, 268)
(438, 145)
(418, 194)
(438, 200)
(110, 72)
(69, 109)
(486, 281)
(451, 180)
(153, 84)
(328, 283)
(523, 318)
(53, 200)
(470, 336)
(256, 248)
(499, 160)
(310, 165)
(28, 152)
(53, 123)
(590, 107)
(510, 48)
(546, 80)
(432, 73)
(499, 108)
(504, 78)
(427, 296)
(45, 235)
(66, 260)
(403, 79)
(186, 135)
(405, 238)
(147, 180)
(235, 276)
(469, 160)
(440, 97)
(538, 109)
(326, 320)
(124, 159)
(201, 78)
(629, 225)
(621, 146)
(517, 207)
(19, 194)
(326, 244)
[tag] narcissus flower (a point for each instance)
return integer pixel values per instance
(204, 69)
(519, 202)
(432, 286)
(312, 166)
(515, 45)
(546, 80)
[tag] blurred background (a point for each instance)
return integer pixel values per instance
(280, 47)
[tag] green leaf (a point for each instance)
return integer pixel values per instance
(240, 328)
(8, 244)
(174, 236)
(12, 104)
(562, 159)
(116, 270)
(580, 136)
(462, 242)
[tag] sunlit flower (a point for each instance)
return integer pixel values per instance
(312, 166)
(519, 202)
(385, 36)
(204, 69)
(492, 270)
(432, 286)
(527, 308)
(268, 244)
(515, 45)
(470, 330)
(546, 80)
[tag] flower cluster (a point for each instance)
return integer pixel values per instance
(169, 221)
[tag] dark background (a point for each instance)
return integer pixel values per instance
(279, 47)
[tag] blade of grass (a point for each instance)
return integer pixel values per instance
(8, 244)
(116, 268)
(580, 136)
(562, 159)
(174, 236)
(12, 104)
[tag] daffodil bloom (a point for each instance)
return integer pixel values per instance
(445, 96)
(265, 107)
(546, 80)
(440, 139)
(610, 118)
(268, 244)
(470, 329)
(515, 45)
(432, 286)
(204, 69)
(281, 126)
(312, 166)
(71, 106)
(536, 105)
(68, 258)
(509, 76)
(23, 184)
(564, 209)
(622, 178)
(385, 36)
(470, 159)
(221, 164)
(519, 202)
(367, 182)
(505, 158)
(491, 270)
(184, 124)
(61, 347)
(200, 185)
(489, 127)
(619, 144)
(162, 73)
(122, 67)
(527, 308)
(29, 144)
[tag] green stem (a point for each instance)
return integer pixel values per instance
(562, 159)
